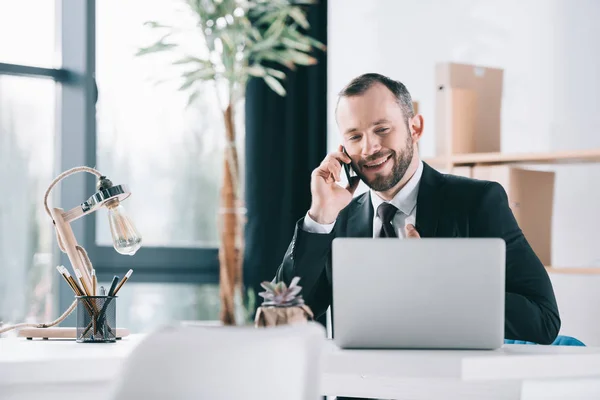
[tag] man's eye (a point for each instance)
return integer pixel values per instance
(354, 138)
(382, 130)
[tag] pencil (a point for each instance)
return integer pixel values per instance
(72, 280)
(127, 275)
(74, 284)
(86, 289)
(66, 279)
(78, 292)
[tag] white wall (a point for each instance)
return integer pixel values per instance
(550, 52)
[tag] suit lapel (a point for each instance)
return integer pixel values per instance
(429, 202)
(360, 219)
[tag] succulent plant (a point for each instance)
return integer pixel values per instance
(281, 295)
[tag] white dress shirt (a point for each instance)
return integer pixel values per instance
(405, 201)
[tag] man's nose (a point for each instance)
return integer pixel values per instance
(370, 146)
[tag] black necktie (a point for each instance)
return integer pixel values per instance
(386, 212)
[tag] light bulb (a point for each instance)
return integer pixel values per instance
(126, 239)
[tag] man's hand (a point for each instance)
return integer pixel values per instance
(411, 231)
(328, 198)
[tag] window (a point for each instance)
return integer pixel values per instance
(27, 30)
(27, 140)
(170, 155)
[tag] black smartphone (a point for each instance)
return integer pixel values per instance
(351, 175)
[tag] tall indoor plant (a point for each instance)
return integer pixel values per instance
(242, 39)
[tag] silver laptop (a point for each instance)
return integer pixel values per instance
(418, 293)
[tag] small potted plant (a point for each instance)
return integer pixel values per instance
(282, 305)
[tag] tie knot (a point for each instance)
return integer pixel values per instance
(386, 212)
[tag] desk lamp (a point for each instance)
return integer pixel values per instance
(126, 240)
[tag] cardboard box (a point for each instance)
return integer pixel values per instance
(468, 108)
(531, 199)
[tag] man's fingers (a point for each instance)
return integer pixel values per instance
(332, 167)
(335, 168)
(323, 174)
(411, 231)
(339, 156)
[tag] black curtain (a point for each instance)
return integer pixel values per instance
(286, 138)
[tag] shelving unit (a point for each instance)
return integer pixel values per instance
(557, 157)
(569, 157)
(574, 270)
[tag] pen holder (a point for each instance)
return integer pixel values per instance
(96, 319)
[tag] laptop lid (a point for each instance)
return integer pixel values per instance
(418, 293)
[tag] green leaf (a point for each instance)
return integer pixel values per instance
(155, 48)
(228, 41)
(295, 44)
(268, 18)
(255, 34)
(190, 59)
(192, 97)
(155, 24)
(293, 34)
(276, 28)
(316, 43)
(276, 73)
(198, 75)
(298, 15)
(300, 58)
(257, 70)
(275, 85)
(277, 57)
(187, 84)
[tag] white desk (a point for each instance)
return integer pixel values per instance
(50, 369)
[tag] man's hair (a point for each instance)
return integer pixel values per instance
(362, 83)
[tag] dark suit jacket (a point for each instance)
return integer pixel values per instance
(447, 206)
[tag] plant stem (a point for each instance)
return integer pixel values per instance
(230, 251)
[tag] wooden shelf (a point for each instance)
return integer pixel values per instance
(574, 270)
(557, 157)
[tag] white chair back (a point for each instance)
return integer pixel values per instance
(225, 363)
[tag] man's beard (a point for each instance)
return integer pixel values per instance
(382, 183)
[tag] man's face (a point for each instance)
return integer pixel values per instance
(376, 136)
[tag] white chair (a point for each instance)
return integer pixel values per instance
(214, 363)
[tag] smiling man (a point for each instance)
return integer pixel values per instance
(409, 199)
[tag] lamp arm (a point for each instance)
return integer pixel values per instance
(54, 183)
(64, 175)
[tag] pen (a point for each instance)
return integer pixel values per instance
(127, 275)
(94, 282)
(101, 315)
(113, 285)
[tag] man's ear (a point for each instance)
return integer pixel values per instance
(416, 125)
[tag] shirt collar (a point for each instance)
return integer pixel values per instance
(406, 199)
